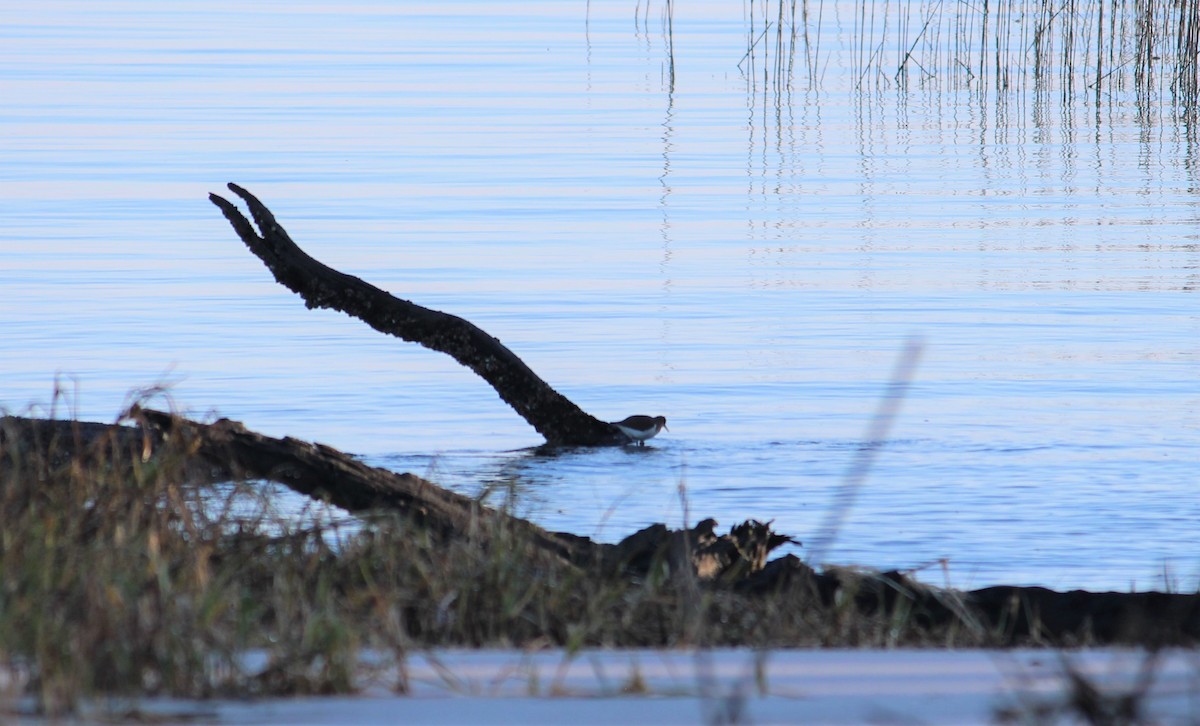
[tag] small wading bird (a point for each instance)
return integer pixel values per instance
(640, 428)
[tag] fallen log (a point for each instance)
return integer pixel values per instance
(225, 450)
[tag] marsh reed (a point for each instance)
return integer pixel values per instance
(1085, 49)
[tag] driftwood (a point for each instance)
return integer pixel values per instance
(734, 562)
(554, 416)
(226, 450)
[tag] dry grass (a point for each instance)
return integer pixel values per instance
(136, 584)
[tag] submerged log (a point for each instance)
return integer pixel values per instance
(553, 415)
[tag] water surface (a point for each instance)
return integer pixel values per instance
(744, 258)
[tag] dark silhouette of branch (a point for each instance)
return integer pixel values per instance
(553, 415)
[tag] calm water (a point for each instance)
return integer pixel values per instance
(744, 259)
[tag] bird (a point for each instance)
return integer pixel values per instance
(640, 428)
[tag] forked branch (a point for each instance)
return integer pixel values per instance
(553, 415)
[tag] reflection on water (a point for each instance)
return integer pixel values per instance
(741, 243)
